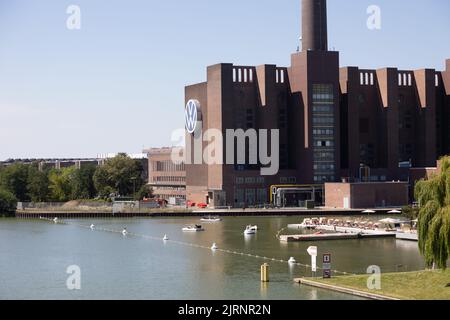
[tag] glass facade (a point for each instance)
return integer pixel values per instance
(323, 122)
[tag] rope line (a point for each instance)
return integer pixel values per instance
(187, 244)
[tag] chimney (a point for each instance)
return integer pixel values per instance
(314, 25)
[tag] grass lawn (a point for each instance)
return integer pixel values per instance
(423, 285)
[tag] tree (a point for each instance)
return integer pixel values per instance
(37, 185)
(8, 202)
(14, 179)
(120, 174)
(144, 192)
(433, 196)
(61, 183)
(83, 183)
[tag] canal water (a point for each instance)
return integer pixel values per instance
(35, 255)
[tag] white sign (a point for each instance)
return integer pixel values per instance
(312, 251)
(192, 115)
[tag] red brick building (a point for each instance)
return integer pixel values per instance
(335, 123)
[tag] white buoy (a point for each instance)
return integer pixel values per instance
(292, 260)
(92, 227)
(166, 238)
(214, 247)
(124, 231)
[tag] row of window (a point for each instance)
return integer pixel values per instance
(242, 75)
(323, 156)
(168, 166)
(323, 132)
(324, 178)
(250, 180)
(324, 167)
(168, 179)
(323, 108)
(279, 76)
(290, 180)
(366, 78)
(323, 120)
(324, 143)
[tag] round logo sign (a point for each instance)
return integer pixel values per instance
(192, 115)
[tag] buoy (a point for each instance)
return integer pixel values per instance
(92, 227)
(214, 247)
(166, 238)
(292, 260)
(265, 273)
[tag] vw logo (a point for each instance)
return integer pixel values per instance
(192, 115)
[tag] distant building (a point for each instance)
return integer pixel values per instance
(166, 177)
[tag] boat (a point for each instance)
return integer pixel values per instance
(92, 227)
(251, 229)
(214, 247)
(55, 220)
(124, 231)
(211, 219)
(166, 238)
(195, 228)
(292, 260)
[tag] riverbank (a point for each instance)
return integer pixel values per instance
(184, 212)
(420, 285)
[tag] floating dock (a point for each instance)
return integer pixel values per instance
(334, 236)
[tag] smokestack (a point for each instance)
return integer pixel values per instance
(314, 25)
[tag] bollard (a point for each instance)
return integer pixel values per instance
(265, 273)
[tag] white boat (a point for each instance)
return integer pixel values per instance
(92, 227)
(124, 231)
(251, 229)
(166, 238)
(211, 219)
(55, 220)
(214, 247)
(195, 228)
(292, 260)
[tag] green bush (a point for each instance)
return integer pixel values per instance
(8, 202)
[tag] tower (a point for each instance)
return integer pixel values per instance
(314, 25)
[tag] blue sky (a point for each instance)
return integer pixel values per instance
(118, 83)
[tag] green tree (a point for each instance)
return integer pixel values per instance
(144, 192)
(83, 183)
(37, 185)
(8, 202)
(433, 196)
(14, 179)
(61, 183)
(121, 175)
